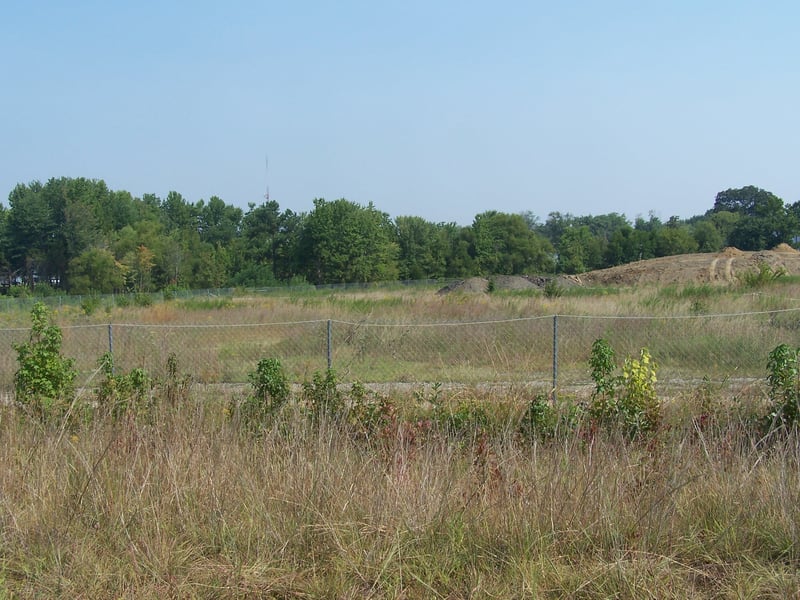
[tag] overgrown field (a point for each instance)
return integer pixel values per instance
(148, 483)
(418, 336)
(187, 501)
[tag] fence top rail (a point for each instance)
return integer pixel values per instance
(409, 325)
(442, 323)
(213, 325)
(681, 317)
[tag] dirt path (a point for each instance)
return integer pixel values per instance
(729, 269)
(712, 269)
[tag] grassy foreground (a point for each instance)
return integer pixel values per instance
(185, 504)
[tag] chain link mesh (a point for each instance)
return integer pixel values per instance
(721, 348)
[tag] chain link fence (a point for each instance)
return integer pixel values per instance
(545, 352)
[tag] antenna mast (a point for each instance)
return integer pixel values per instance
(266, 171)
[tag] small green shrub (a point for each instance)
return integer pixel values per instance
(369, 411)
(122, 300)
(270, 392)
(174, 386)
(540, 419)
(784, 386)
(629, 399)
(142, 299)
(552, 289)
(269, 381)
(465, 418)
(124, 393)
(601, 363)
(638, 404)
(207, 303)
(322, 396)
(44, 380)
(763, 275)
(90, 304)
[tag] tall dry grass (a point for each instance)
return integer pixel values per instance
(185, 505)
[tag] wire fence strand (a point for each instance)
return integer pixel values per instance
(719, 348)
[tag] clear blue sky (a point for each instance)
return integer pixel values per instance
(435, 109)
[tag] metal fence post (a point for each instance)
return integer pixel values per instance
(330, 344)
(555, 359)
(111, 345)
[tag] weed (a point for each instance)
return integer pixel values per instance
(552, 289)
(206, 303)
(602, 365)
(270, 392)
(540, 419)
(463, 419)
(90, 304)
(322, 396)
(125, 393)
(638, 403)
(628, 399)
(432, 396)
(142, 299)
(43, 383)
(698, 307)
(784, 385)
(369, 412)
(763, 275)
(122, 300)
(175, 386)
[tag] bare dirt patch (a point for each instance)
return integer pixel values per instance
(722, 268)
(718, 268)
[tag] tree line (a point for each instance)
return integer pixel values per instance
(78, 235)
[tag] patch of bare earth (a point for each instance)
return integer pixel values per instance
(718, 268)
(721, 267)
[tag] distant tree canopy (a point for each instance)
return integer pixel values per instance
(78, 235)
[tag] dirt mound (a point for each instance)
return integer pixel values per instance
(731, 251)
(721, 268)
(504, 282)
(471, 285)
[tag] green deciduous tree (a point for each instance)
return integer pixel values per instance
(343, 242)
(764, 220)
(504, 244)
(96, 270)
(578, 250)
(218, 223)
(423, 248)
(673, 238)
(44, 379)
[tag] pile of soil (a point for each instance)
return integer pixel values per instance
(507, 282)
(720, 268)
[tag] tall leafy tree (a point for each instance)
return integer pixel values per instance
(342, 241)
(707, 236)
(504, 244)
(177, 213)
(31, 227)
(578, 250)
(96, 270)
(764, 221)
(423, 250)
(628, 244)
(459, 245)
(218, 222)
